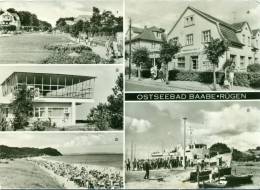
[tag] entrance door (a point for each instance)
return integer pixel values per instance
(194, 62)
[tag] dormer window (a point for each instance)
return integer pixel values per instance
(189, 20)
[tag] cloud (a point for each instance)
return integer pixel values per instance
(138, 125)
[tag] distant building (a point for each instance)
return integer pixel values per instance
(148, 37)
(56, 95)
(8, 19)
(195, 28)
(84, 18)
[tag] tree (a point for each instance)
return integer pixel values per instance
(219, 148)
(110, 114)
(115, 104)
(214, 50)
(22, 107)
(255, 68)
(140, 58)
(167, 53)
(98, 115)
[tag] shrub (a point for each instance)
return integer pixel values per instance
(254, 79)
(42, 125)
(205, 77)
(253, 68)
(68, 47)
(146, 73)
(241, 79)
(173, 74)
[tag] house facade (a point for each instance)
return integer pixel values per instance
(148, 37)
(194, 29)
(8, 19)
(56, 96)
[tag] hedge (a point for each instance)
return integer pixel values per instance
(249, 79)
(205, 77)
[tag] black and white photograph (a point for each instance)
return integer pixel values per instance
(61, 98)
(61, 31)
(221, 140)
(200, 45)
(61, 160)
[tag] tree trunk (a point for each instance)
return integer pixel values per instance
(167, 74)
(214, 78)
(139, 72)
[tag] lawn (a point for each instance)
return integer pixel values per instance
(28, 48)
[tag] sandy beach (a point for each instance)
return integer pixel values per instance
(172, 179)
(20, 173)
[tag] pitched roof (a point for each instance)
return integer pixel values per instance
(239, 25)
(147, 35)
(227, 30)
(137, 30)
(255, 31)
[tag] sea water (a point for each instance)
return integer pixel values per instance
(107, 160)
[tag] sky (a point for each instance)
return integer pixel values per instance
(159, 126)
(164, 13)
(105, 81)
(67, 143)
(52, 10)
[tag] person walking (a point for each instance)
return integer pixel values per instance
(147, 169)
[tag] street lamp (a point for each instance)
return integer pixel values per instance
(184, 141)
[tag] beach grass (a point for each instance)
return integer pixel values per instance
(21, 173)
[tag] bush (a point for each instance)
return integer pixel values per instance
(241, 79)
(66, 47)
(173, 74)
(254, 79)
(205, 77)
(253, 68)
(8, 28)
(42, 125)
(145, 73)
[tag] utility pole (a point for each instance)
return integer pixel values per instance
(130, 46)
(184, 141)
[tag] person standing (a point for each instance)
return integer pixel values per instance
(128, 165)
(147, 169)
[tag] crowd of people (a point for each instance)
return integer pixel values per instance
(83, 176)
(155, 164)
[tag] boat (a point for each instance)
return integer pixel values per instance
(238, 179)
(213, 184)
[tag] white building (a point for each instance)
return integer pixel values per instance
(56, 95)
(195, 28)
(8, 19)
(147, 37)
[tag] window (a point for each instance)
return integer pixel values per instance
(249, 60)
(242, 60)
(181, 62)
(206, 36)
(188, 21)
(194, 61)
(249, 42)
(153, 45)
(175, 40)
(189, 39)
(244, 38)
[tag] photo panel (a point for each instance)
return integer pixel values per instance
(61, 98)
(61, 32)
(192, 45)
(61, 160)
(220, 139)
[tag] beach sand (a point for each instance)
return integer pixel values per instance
(172, 179)
(21, 173)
